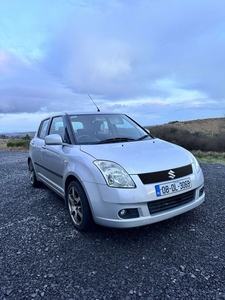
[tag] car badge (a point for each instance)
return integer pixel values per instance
(171, 174)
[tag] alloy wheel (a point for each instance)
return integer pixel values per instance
(75, 206)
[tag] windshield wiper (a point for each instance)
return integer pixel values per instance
(116, 140)
(143, 137)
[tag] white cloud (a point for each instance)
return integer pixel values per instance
(150, 58)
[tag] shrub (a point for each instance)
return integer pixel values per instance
(18, 144)
(190, 140)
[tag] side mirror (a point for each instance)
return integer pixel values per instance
(53, 139)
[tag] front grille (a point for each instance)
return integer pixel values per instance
(160, 176)
(171, 202)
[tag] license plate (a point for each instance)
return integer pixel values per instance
(172, 187)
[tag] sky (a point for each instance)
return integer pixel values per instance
(158, 61)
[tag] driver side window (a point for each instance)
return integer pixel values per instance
(57, 127)
(43, 129)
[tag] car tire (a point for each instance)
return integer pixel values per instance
(33, 179)
(79, 208)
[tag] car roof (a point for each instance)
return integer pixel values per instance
(93, 113)
(79, 114)
(82, 113)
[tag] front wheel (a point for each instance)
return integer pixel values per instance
(79, 208)
(33, 179)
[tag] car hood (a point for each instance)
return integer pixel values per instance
(141, 156)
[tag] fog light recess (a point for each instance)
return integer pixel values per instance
(201, 191)
(128, 213)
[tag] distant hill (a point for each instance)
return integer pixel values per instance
(19, 134)
(207, 126)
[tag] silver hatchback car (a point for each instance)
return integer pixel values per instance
(112, 172)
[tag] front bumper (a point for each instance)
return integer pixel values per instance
(106, 203)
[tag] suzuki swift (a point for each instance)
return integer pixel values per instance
(112, 171)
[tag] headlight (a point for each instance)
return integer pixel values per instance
(195, 162)
(115, 175)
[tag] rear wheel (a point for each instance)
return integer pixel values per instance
(79, 208)
(33, 179)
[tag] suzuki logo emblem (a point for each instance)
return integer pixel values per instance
(171, 174)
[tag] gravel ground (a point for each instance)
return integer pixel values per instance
(43, 257)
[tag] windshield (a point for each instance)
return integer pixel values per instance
(108, 128)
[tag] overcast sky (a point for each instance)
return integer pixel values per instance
(156, 60)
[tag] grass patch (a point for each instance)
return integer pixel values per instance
(3, 144)
(19, 144)
(210, 157)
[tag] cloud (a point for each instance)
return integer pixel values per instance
(153, 58)
(125, 51)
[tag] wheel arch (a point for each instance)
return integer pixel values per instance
(68, 180)
(85, 176)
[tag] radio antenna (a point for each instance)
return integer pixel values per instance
(94, 103)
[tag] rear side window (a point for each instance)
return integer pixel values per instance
(42, 132)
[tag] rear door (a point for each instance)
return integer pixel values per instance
(53, 157)
(37, 145)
